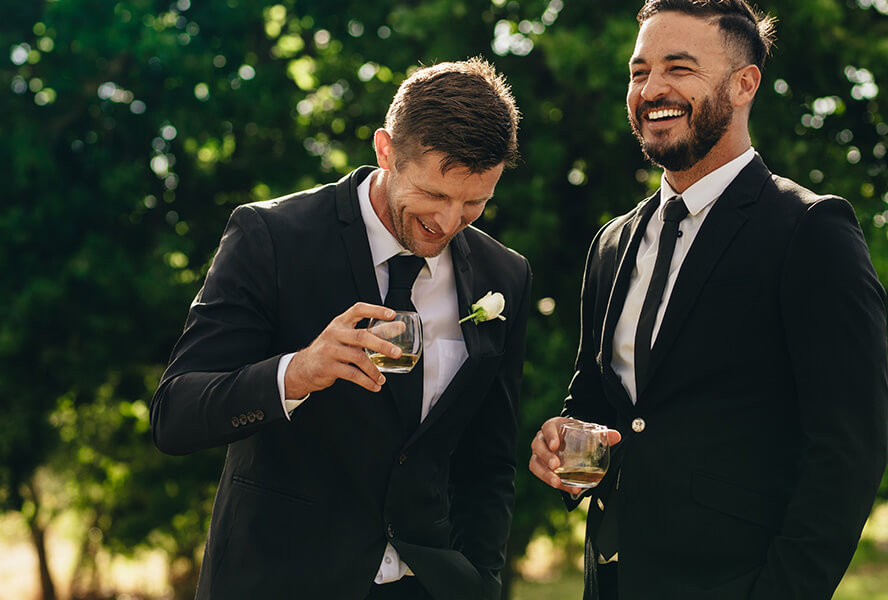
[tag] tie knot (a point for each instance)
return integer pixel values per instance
(675, 209)
(403, 270)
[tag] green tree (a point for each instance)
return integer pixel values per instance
(130, 130)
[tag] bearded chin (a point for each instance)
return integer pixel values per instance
(679, 156)
(707, 127)
(687, 152)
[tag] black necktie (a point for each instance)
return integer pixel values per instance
(673, 212)
(403, 270)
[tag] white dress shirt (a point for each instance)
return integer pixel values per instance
(699, 198)
(444, 349)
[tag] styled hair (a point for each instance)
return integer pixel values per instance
(750, 31)
(464, 110)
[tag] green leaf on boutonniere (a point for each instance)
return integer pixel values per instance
(486, 308)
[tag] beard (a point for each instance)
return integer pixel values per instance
(707, 126)
(402, 220)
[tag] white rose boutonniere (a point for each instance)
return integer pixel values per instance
(486, 308)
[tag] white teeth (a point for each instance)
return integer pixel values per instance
(426, 227)
(665, 113)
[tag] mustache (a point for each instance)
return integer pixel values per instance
(647, 106)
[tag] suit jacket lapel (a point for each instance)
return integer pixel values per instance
(466, 295)
(354, 235)
(630, 240)
(724, 220)
(627, 250)
(462, 270)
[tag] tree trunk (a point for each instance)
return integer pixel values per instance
(38, 536)
(85, 580)
(183, 577)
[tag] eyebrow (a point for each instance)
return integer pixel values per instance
(683, 56)
(437, 194)
(431, 192)
(669, 58)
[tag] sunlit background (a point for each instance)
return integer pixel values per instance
(129, 131)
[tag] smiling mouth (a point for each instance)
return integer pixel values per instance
(427, 228)
(664, 114)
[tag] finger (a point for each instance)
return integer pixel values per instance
(363, 310)
(362, 362)
(551, 430)
(544, 473)
(388, 329)
(358, 377)
(362, 338)
(540, 448)
(613, 437)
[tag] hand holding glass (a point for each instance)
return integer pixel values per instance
(404, 331)
(584, 454)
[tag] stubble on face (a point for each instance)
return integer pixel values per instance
(398, 214)
(707, 126)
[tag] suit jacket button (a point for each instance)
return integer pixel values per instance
(235, 422)
(242, 419)
(638, 425)
(390, 531)
(260, 415)
(402, 459)
(251, 417)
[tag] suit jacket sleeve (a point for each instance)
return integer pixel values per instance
(585, 400)
(483, 464)
(221, 383)
(834, 315)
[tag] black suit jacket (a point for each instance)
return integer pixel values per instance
(760, 435)
(305, 507)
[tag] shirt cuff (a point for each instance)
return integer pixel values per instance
(289, 405)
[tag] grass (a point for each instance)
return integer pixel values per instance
(558, 579)
(866, 579)
(868, 582)
(567, 587)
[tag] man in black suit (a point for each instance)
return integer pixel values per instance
(341, 483)
(734, 333)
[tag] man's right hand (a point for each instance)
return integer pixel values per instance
(338, 353)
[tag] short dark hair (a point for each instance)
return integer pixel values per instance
(464, 110)
(742, 25)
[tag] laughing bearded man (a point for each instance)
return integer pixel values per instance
(734, 334)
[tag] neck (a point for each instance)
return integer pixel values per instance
(379, 198)
(726, 150)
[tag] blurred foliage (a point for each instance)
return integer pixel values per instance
(129, 130)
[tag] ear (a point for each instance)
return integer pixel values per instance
(382, 144)
(746, 84)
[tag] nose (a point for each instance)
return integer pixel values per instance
(655, 86)
(450, 218)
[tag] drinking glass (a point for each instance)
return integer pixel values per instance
(584, 454)
(404, 331)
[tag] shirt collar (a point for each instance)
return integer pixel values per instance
(383, 244)
(707, 190)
